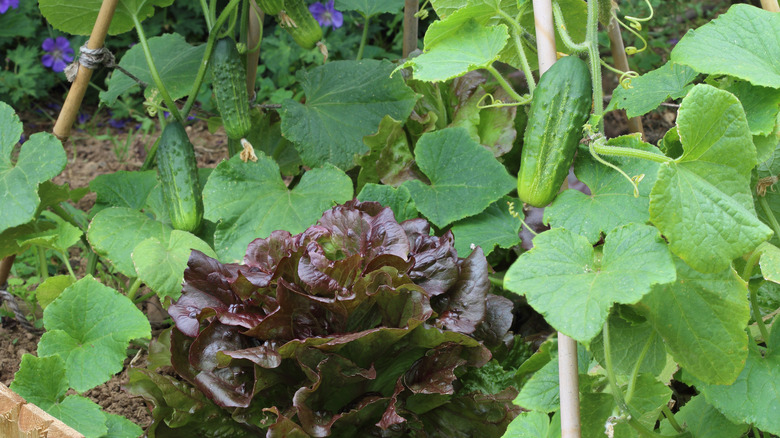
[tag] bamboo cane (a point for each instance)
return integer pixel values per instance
(770, 5)
(621, 63)
(567, 347)
(410, 26)
(70, 108)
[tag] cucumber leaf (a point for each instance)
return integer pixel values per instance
(465, 177)
(701, 201)
(702, 319)
(40, 159)
(739, 43)
(78, 18)
(259, 202)
(563, 275)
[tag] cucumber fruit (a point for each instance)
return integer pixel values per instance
(560, 107)
(228, 75)
(305, 31)
(178, 173)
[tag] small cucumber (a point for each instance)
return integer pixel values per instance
(560, 107)
(178, 173)
(228, 76)
(271, 7)
(304, 29)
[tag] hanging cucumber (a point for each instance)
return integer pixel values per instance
(271, 7)
(178, 172)
(304, 28)
(560, 107)
(228, 76)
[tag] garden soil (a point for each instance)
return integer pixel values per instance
(89, 157)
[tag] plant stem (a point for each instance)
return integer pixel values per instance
(619, 151)
(616, 392)
(223, 16)
(750, 264)
(363, 39)
(43, 266)
(592, 40)
(65, 260)
(143, 298)
(505, 85)
(92, 259)
(153, 71)
(672, 421)
(637, 366)
(770, 215)
(206, 13)
(756, 433)
(496, 281)
(134, 288)
(516, 32)
(565, 37)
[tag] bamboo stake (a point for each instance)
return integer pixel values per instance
(621, 63)
(70, 108)
(253, 39)
(410, 26)
(567, 347)
(770, 5)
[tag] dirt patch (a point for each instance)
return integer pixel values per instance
(15, 342)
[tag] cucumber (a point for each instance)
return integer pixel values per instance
(304, 29)
(228, 76)
(178, 173)
(560, 107)
(271, 7)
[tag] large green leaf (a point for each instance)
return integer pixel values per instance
(645, 93)
(177, 63)
(41, 158)
(702, 319)
(493, 227)
(43, 382)
(530, 424)
(702, 420)
(345, 101)
(754, 398)
(541, 391)
(78, 17)
(701, 201)
(741, 43)
(574, 286)
(467, 46)
(249, 201)
(611, 202)
(115, 232)
(369, 8)
(60, 238)
(628, 340)
(761, 105)
(161, 264)
(90, 326)
(465, 177)
(124, 189)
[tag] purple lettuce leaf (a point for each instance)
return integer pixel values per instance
(435, 259)
(464, 306)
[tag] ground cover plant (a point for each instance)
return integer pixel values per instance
(355, 266)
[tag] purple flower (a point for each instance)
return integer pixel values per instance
(59, 53)
(82, 118)
(7, 4)
(117, 123)
(22, 139)
(327, 15)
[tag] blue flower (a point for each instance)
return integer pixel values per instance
(327, 15)
(59, 53)
(5, 5)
